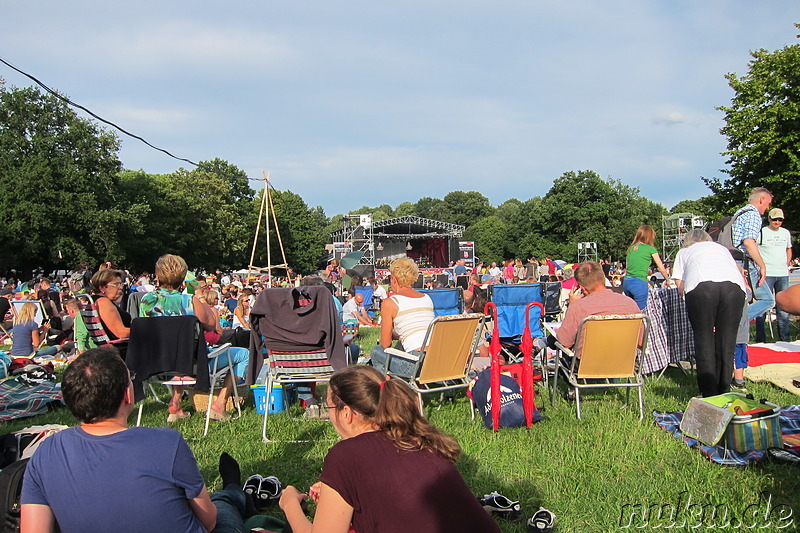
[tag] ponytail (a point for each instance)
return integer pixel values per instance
(393, 407)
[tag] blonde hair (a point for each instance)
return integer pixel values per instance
(26, 314)
(102, 278)
(404, 271)
(645, 234)
(210, 296)
(171, 271)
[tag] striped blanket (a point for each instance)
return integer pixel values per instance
(18, 400)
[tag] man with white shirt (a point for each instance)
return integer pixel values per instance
(775, 247)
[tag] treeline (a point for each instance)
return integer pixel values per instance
(67, 199)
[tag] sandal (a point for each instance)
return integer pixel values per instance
(174, 417)
(501, 506)
(221, 417)
(541, 521)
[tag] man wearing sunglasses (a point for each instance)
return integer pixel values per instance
(775, 247)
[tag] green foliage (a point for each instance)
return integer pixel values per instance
(490, 236)
(582, 207)
(466, 208)
(762, 125)
(58, 177)
(301, 232)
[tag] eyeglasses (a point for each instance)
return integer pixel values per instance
(115, 284)
(777, 219)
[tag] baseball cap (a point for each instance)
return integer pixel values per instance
(776, 213)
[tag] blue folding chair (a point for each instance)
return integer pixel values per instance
(369, 304)
(514, 314)
(446, 301)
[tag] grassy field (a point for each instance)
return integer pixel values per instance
(592, 473)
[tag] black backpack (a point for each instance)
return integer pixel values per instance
(10, 491)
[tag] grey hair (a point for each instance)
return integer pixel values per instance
(756, 193)
(568, 273)
(695, 236)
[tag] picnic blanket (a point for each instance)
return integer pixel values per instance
(790, 427)
(776, 352)
(18, 400)
(782, 375)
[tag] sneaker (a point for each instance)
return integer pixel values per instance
(269, 492)
(501, 506)
(252, 484)
(541, 521)
(739, 385)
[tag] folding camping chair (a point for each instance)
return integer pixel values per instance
(293, 354)
(607, 355)
(94, 326)
(369, 302)
(450, 344)
(522, 372)
(446, 301)
(514, 315)
(164, 347)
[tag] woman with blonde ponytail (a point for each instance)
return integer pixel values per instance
(393, 470)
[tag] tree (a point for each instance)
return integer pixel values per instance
(466, 208)
(490, 236)
(58, 177)
(762, 125)
(583, 207)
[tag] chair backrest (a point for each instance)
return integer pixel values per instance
(608, 345)
(16, 307)
(91, 319)
(451, 343)
(299, 363)
(511, 301)
(367, 292)
(446, 301)
(552, 297)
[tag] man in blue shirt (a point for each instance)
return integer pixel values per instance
(104, 476)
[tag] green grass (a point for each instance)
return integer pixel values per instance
(584, 471)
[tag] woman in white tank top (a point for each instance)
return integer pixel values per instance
(405, 315)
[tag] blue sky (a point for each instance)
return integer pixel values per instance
(365, 103)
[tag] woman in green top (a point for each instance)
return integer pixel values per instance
(641, 254)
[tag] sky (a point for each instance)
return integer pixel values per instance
(368, 103)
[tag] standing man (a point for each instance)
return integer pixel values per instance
(745, 232)
(775, 247)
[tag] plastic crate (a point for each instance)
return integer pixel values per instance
(276, 398)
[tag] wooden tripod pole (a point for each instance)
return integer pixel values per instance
(258, 226)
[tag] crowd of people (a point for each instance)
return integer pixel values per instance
(390, 458)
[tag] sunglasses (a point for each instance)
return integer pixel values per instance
(777, 219)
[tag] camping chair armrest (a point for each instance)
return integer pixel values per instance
(216, 351)
(399, 353)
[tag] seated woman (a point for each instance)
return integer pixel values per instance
(167, 300)
(107, 290)
(240, 356)
(28, 334)
(405, 315)
(393, 470)
(241, 315)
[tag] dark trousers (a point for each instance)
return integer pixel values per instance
(714, 310)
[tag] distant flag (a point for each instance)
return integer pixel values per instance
(59, 255)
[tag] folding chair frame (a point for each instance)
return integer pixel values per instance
(422, 384)
(572, 368)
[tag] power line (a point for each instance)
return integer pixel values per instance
(101, 119)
